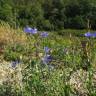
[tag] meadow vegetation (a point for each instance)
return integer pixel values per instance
(47, 48)
(35, 63)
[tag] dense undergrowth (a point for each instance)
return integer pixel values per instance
(45, 63)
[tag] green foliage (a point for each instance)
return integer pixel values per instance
(49, 14)
(6, 12)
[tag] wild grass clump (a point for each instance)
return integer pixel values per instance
(10, 36)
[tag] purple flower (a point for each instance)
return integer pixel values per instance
(94, 34)
(14, 64)
(46, 49)
(30, 30)
(88, 34)
(47, 58)
(34, 31)
(44, 34)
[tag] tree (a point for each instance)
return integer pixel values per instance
(6, 11)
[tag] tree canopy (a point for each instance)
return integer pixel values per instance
(49, 14)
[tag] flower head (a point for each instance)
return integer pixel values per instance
(30, 30)
(46, 59)
(46, 49)
(94, 34)
(14, 64)
(34, 31)
(88, 34)
(44, 34)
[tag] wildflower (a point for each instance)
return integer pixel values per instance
(34, 31)
(30, 30)
(44, 34)
(14, 64)
(46, 49)
(94, 34)
(88, 34)
(47, 58)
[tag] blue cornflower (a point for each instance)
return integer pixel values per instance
(34, 31)
(88, 34)
(14, 64)
(44, 34)
(46, 49)
(94, 34)
(46, 59)
(30, 30)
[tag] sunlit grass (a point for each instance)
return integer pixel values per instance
(9, 35)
